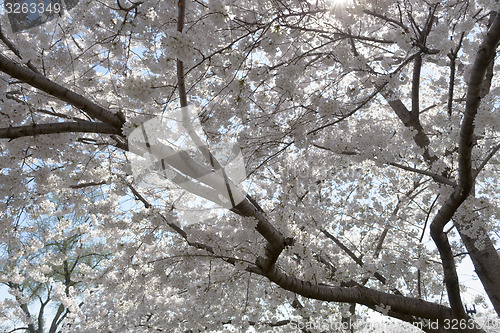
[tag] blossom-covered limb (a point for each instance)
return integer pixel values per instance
(482, 66)
(52, 88)
(15, 50)
(438, 178)
(417, 65)
(484, 56)
(354, 257)
(276, 241)
(486, 160)
(55, 128)
(400, 306)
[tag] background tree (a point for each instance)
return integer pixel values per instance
(370, 136)
(43, 270)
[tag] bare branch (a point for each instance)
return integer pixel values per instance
(421, 138)
(54, 324)
(136, 194)
(485, 89)
(453, 57)
(415, 87)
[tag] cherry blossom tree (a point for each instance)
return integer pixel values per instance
(369, 132)
(42, 269)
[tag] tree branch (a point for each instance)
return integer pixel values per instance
(83, 185)
(486, 260)
(421, 138)
(485, 89)
(436, 177)
(276, 242)
(360, 295)
(54, 323)
(484, 56)
(14, 49)
(486, 160)
(415, 88)
(56, 128)
(50, 87)
(180, 66)
(354, 257)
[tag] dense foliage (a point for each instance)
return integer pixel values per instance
(369, 132)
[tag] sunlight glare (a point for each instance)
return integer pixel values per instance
(339, 3)
(336, 4)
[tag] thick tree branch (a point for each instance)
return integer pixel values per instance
(360, 295)
(482, 62)
(485, 89)
(83, 185)
(31, 326)
(484, 57)
(54, 324)
(440, 238)
(14, 49)
(451, 85)
(55, 128)
(401, 307)
(486, 259)
(50, 87)
(417, 66)
(180, 67)
(41, 311)
(415, 88)
(421, 138)
(276, 242)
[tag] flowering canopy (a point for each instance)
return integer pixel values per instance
(369, 133)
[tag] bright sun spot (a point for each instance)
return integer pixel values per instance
(339, 3)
